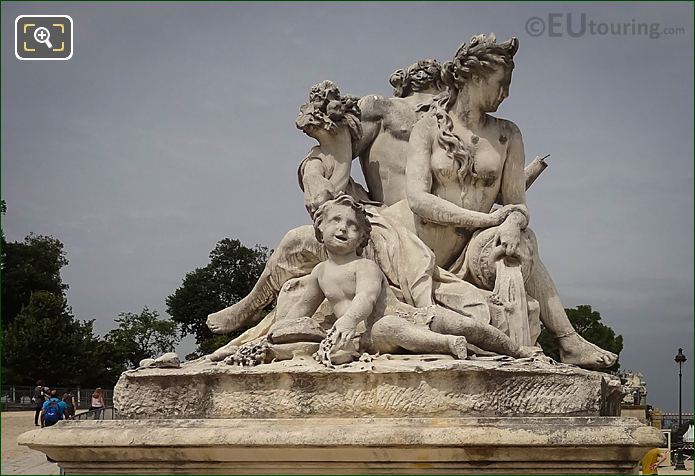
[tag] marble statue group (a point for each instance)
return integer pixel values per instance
(435, 255)
(405, 315)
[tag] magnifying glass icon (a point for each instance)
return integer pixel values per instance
(42, 35)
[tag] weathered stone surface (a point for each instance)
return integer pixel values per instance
(389, 386)
(350, 445)
(293, 350)
(301, 329)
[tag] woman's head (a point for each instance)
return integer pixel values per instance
(421, 76)
(327, 110)
(482, 63)
(97, 392)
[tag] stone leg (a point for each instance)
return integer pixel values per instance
(484, 336)
(463, 298)
(296, 255)
(574, 349)
(390, 333)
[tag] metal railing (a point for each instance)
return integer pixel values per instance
(106, 413)
(16, 397)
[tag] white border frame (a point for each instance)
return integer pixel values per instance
(72, 32)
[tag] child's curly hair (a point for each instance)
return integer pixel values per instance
(404, 83)
(327, 109)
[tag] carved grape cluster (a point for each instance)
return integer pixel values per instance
(323, 355)
(250, 354)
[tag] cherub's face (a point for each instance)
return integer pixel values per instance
(341, 230)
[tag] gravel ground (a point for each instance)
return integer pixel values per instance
(13, 424)
(20, 459)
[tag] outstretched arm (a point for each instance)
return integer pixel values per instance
(419, 185)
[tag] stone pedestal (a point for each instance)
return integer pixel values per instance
(388, 386)
(425, 414)
(555, 445)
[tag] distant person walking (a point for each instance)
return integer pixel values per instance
(651, 461)
(69, 400)
(53, 410)
(97, 404)
(39, 397)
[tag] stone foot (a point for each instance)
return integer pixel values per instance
(231, 318)
(574, 349)
(222, 353)
(458, 347)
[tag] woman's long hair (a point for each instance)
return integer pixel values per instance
(481, 56)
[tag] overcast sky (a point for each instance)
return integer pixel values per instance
(172, 127)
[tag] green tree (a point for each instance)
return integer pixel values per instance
(230, 275)
(140, 336)
(587, 323)
(41, 337)
(3, 210)
(46, 341)
(30, 266)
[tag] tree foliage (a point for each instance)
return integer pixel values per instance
(46, 341)
(141, 336)
(41, 337)
(587, 323)
(30, 266)
(231, 274)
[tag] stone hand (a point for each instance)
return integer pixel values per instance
(508, 238)
(501, 214)
(345, 331)
(313, 201)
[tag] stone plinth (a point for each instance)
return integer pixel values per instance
(531, 445)
(388, 386)
(394, 414)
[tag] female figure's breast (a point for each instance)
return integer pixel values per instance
(475, 190)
